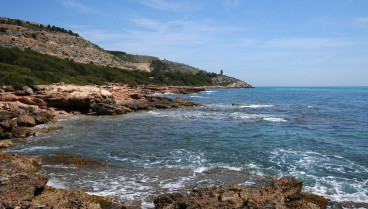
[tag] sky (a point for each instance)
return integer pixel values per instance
(263, 42)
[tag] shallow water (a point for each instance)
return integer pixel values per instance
(319, 135)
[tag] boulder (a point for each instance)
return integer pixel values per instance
(43, 117)
(26, 120)
(27, 90)
(20, 132)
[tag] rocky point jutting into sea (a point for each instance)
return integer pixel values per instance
(22, 187)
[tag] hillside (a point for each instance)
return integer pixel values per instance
(26, 68)
(67, 45)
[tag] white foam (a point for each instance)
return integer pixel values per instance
(56, 183)
(332, 187)
(312, 107)
(35, 148)
(274, 119)
(174, 185)
(258, 106)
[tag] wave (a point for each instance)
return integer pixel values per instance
(306, 166)
(196, 96)
(36, 148)
(274, 119)
(257, 106)
(214, 114)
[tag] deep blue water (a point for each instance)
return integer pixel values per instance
(317, 134)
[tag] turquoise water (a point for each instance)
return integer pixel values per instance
(319, 135)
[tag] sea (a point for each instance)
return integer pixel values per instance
(240, 136)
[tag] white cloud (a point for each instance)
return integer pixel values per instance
(75, 4)
(230, 4)
(305, 43)
(169, 5)
(360, 21)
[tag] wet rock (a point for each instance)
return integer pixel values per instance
(21, 187)
(43, 117)
(60, 198)
(48, 130)
(70, 159)
(20, 132)
(283, 193)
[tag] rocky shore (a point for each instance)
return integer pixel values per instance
(22, 109)
(22, 187)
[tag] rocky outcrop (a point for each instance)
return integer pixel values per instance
(21, 187)
(111, 99)
(22, 109)
(229, 82)
(18, 181)
(283, 193)
(16, 119)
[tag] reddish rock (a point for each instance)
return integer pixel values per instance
(283, 193)
(32, 101)
(21, 187)
(18, 182)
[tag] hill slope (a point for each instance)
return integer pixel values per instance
(66, 44)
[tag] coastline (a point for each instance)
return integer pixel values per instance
(122, 99)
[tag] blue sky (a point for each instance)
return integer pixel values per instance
(264, 42)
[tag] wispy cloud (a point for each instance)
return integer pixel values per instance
(167, 39)
(76, 5)
(230, 4)
(169, 5)
(306, 43)
(360, 21)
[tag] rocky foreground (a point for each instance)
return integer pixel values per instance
(22, 187)
(22, 109)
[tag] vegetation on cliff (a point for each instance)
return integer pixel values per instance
(35, 26)
(23, 68)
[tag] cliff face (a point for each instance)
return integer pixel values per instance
(48, 40)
